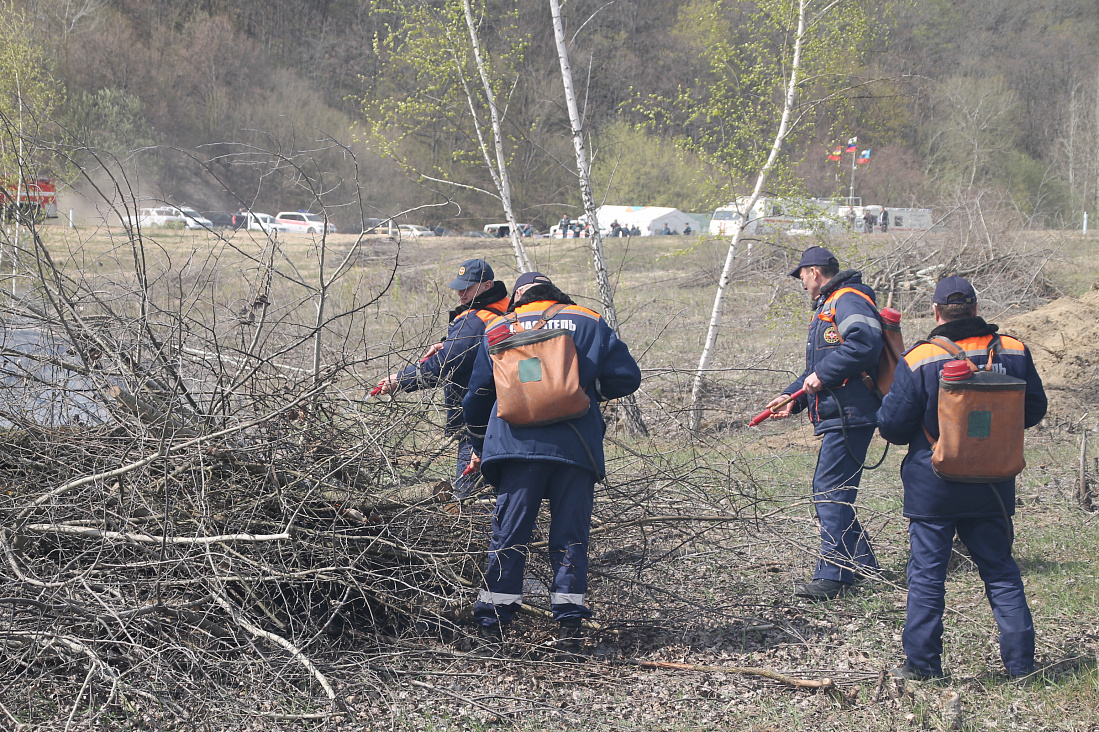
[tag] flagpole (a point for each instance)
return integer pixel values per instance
(851, 197)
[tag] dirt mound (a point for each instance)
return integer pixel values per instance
(1063, 337)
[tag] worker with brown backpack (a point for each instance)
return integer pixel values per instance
(960, 401)
(532, 413)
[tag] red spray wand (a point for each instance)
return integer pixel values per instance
(770, 411)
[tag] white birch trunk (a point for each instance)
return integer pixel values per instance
(583, 172)
(695, 418)
(499, 171)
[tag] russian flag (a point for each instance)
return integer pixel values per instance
(865, 157)
(851, 144)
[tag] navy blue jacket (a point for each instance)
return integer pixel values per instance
(913, 400)
(845, 339)
(607, 371)
(453, 365)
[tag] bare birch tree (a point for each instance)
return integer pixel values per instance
(583, 174)
(442, 42)
(809, 48)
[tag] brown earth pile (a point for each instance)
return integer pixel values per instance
(1063, 337)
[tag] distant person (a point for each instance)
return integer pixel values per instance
(850, 219)
(666, 231)
(565, 226)
(450, 362)
(979, 513)
(687, 230)
(635, 230)
(884, 219)
(868, 221)
(615, 228)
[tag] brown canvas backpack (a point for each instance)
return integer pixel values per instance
(981, 415)
(536, 372)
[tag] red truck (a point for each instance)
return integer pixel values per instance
(36, 197)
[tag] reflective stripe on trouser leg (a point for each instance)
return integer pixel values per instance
(989, 543)
(571, 493)
(931, 543)
(844, 545)
(517, 503)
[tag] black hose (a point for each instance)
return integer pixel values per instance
(847, 443)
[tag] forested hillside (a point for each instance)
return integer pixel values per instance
(289, 103)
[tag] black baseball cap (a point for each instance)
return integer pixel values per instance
(531, 278)
(472, 272)
(815, 257)
(953, 289)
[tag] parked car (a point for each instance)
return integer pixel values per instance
(266, 223)
(220, 219)
(172, 217)
(477, 235)
(303, 222)
(504, 230)
(415, 230)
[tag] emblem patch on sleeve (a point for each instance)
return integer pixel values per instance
(831, 335)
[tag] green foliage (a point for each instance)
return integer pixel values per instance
(632, 166)
(28, 91)
(1035, 189)
(110, 121)
(431, 114)
(730, 115)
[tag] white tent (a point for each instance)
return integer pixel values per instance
(649, 219)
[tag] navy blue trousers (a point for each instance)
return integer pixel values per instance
(522, 486)
(989, 543)
(465, 485)
(844, 546)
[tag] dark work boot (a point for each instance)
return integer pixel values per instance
(904, 671)
(822, 589)
(569, 635)
(490, 637)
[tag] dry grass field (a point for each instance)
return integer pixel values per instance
(699, 537)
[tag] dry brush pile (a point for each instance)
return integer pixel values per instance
(202, 510)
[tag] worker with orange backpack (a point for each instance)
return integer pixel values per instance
(450, 362)
(841, 365)
(960, 401)
(533, 413)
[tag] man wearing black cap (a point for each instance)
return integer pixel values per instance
(841, 359)
(936, 508)
(451, 361)
(559, 462)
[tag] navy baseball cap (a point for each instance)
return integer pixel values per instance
(472, 272)
(531, 278)
(815, 257)
(953, 289)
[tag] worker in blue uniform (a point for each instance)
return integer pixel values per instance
(558, 462)
(450, 362)
(936, 508)
(841, 358)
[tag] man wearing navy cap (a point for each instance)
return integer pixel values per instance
(841, 359)
(936, 508)
(451, 362)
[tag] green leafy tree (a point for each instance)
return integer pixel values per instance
(770, 67)
(28, 93)
(450, 111)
